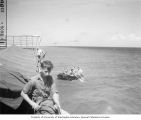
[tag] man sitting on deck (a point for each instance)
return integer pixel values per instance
(45, 99)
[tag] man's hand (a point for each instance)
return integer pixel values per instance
(35, 106)
(57, 108)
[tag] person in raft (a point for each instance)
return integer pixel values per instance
(40, 55)
(45, 97)
(80, 75)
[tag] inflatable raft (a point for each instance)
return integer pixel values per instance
(63, 76)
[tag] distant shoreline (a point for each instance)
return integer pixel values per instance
(97, 47)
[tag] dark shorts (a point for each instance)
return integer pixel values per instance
(47, 107)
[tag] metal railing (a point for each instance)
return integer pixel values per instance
(25, 41)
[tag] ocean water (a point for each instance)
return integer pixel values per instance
(112, 79)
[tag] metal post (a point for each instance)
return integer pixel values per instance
(26, 41)
(32, 40)
(6, 23)
(13, 40)
(20, 41)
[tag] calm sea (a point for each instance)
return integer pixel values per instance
(112, 79)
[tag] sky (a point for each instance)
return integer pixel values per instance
(115, 23)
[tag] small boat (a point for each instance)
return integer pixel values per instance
(74, 73)
(63, 76)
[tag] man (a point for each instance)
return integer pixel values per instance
(40, 55)
(40, 92)
(80, 75)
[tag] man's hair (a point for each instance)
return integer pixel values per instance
(47, 64)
